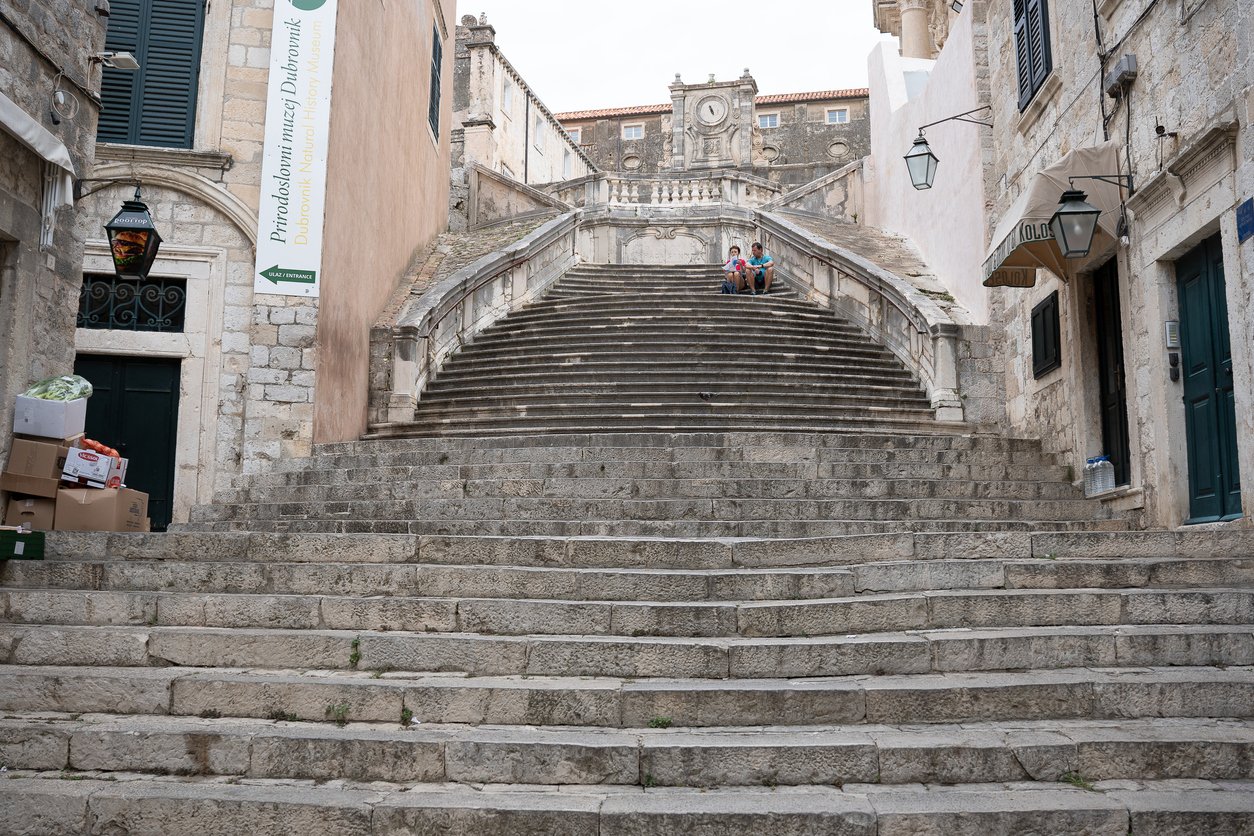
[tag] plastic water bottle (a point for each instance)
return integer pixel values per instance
(1105, 474)
(1099, 476)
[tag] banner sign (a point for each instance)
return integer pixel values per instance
(294, 162)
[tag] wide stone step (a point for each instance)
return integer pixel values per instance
(644, 421)
(695, 380)
(401, 649)
(485, 581)
(768, 756)
(636, 510)
(589, 487)
(864, 613)
(734, 445)
(679, 399)
(1049, 477)
(137, 806)
(696, 352)
(649, 553)
(1088, 693)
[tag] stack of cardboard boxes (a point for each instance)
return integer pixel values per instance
(55, 482)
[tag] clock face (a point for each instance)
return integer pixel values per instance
(711, 110)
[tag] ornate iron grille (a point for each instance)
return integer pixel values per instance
(108, 302)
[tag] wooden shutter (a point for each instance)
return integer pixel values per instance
(1031, 34)
(117, 88)
(159, 99)
(1046, 342)
(433, 104)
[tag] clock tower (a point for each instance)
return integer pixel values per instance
(712, 123)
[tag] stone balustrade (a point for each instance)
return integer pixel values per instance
(436, 324)
(667, 192)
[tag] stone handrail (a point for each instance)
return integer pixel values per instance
(664, 191)
(436, 324)
(893, 311)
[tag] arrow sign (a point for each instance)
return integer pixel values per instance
(278, 274)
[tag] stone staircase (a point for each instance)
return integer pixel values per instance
(659, 349)
(870, 624)
(767, 484)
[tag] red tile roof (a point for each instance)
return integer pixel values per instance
(658, 109)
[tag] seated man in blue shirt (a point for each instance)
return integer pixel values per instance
(762, 266)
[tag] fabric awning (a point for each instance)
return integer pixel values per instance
(1023, 241)
(39, 139)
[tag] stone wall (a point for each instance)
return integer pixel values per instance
(43, 44)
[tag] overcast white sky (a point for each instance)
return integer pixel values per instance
(585, 54)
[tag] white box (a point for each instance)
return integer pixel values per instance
(87, 467)
(49, 419)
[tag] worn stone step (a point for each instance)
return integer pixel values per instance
(1088, 693)
(683, 398)
(399, 649)
(593, 487)
(649, 553)
(865, 613)
(488, 581)
(145, 806)
(640, 510)
(691, 408)
(766, 756)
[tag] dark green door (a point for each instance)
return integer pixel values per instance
(1209, 406)
(135, 409)
(1111, 386)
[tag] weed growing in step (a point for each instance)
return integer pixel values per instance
(279, 714)
(649, 780)
(1075, 779)
(355, 656)
(338, 711)
(210, 714)
(660, 723)
(407, 717)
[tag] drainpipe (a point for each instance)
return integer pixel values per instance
(527, 140)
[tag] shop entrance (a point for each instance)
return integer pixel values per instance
(1113, 386)
(134, 408)
(1209, 406)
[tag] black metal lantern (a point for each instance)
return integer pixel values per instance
(1074, 224)
(922, 163)
(133, 239)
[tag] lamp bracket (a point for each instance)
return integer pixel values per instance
(1113, 179)
(81, 190)
(961, 117)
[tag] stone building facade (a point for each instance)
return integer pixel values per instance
(499, 122)
(1142, 350)
(260, 375)
(789, 138)
(48, 111)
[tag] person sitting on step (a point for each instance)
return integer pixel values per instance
(761, 268)
(735, 272)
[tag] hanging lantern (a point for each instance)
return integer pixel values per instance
(921, 163)
(1074, 224)
(133, 239)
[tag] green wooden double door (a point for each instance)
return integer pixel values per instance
(1209, 404)
(134, 408)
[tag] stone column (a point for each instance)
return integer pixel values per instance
(915, 38)
(679, 155)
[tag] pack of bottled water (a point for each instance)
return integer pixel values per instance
(1099, 476)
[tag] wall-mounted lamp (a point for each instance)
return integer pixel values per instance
(956, 5)
(133, 237)
(921, 161)
(1075, 221)
(115, 60)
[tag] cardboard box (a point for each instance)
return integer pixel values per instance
(34, 468)
(71, 441)
(36, 512)
(49, 419)
(107, 509)
(92, 469)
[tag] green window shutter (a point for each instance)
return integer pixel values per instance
(433, 103)
(159, 99)
(1032, 54)
(117, 88)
